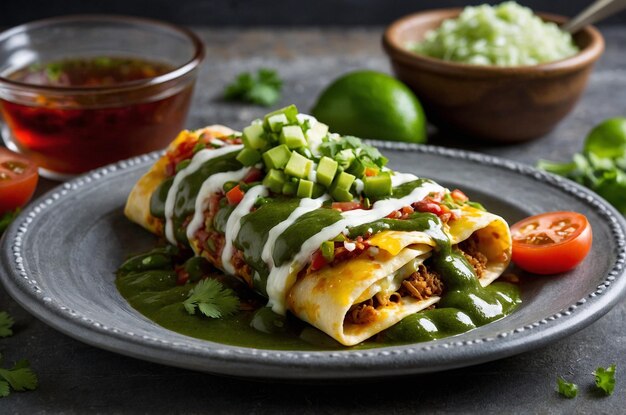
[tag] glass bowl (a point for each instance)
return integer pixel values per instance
(68, 128)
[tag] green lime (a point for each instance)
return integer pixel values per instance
(373, 105)
(607, 139)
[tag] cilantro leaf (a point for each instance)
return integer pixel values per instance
(263, 89)
(605, 379)
(4, 389)
(212, 299)
(567, 389)
(6, 322)
(20, 377)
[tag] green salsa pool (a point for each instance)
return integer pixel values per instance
(149, 282)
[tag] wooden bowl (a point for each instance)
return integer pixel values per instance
(503, 104)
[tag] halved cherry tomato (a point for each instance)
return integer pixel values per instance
(18, 180)
(551, 243)
(234, 195)
(345, 206)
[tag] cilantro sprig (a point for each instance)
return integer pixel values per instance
(20, 377)
(212, 299)
(6, 324)
(263, 89)
(567, 389)
(605, 379)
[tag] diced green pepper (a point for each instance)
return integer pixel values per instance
(292, 136)
(328, 250)
(305, 188)
(290, 188)
(277, 157)
(274, 180)
(376, 187)
(229, 186)
(356, 168)
(253, 136)
(326, 170)
(248, 157)
(298, 166)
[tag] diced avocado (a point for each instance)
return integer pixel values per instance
(290, 188)
(253, 136)
(276, 122)
(344, 181)
(305, 188)
(376, 187)
(318, 190)
(345, 157)
(341, 195)
(340, 189)
(248, 157)
(356, 168)
(289, 113)
(277, 157)
(326, 170)
(274, 180)
(292, 136)
(298, 166)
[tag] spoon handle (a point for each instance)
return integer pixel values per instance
(595, 12)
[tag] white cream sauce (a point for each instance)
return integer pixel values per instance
(197, 161)
(234, 224)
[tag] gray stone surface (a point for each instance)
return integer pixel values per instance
(76, 378)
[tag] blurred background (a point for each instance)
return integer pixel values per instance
(264, 12)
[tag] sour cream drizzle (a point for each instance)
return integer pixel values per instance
(306, 205)
(281, 279)
(212, 185)
(197, 161)
(234, 224)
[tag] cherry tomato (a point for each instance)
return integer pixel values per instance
(234, 195)
(18, 179)
(552, 242)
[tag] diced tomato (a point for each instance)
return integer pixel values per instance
(459, 196)
(318, 261)
(551, 243)
(254, 175)
(234, 195)
(345, 206)
(429, 205)
(18, 180)
(370, 171)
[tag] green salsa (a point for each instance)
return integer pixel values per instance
(149, 283)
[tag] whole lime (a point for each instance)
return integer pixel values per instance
(607, 139)
(371, 104)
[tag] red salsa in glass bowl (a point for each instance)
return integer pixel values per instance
(127, 94)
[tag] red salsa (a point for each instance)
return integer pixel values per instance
(75, 131)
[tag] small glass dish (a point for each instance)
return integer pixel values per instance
(69, 123)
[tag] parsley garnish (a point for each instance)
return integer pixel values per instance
(567, 389)
(19, 378)
(605, 379)
(212, 299)
(262, 89)
(6, 322)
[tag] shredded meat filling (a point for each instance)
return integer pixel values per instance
(477, 259)
(422, 285)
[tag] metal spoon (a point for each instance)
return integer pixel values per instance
(598, 10)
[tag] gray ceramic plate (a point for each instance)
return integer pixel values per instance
(62, 251)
